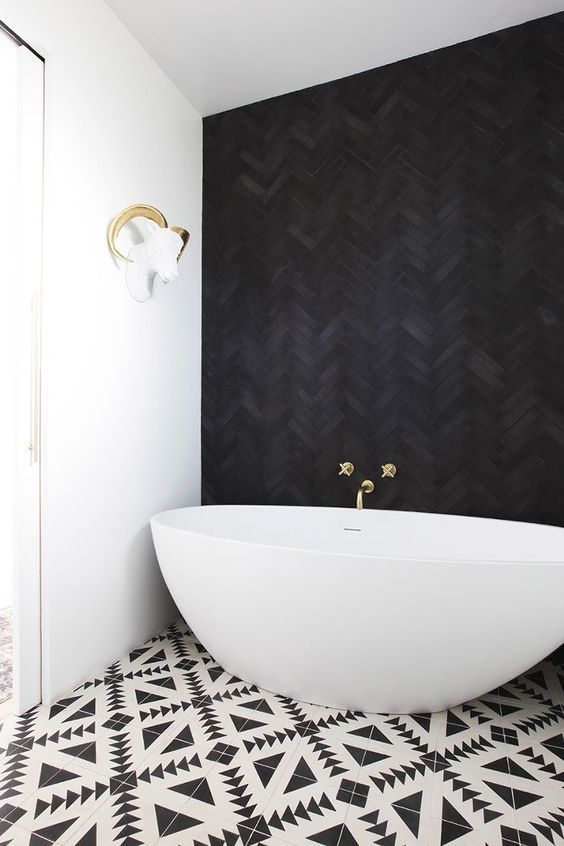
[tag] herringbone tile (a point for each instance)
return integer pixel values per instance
(384, 281)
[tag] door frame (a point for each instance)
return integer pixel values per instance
(27, 625)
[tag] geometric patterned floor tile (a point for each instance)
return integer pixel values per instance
(166, 747)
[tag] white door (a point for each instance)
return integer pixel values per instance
(21, 192)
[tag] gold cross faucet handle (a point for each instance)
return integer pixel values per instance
(389, 471)
(347, 468)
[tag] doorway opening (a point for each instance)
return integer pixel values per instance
(21, 209)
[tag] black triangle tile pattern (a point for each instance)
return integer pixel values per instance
(382, 281)
(210, 760)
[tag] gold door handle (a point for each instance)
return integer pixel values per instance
(35, 382)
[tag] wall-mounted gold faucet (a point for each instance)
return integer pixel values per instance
(366, 487)
(346, 468)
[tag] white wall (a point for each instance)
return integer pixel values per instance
(121, 379)
(8, 157)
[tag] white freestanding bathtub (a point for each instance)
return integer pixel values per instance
(385, 611)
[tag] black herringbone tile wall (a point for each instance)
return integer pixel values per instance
(384, 281)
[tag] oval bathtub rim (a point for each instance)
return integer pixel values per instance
(154, 520)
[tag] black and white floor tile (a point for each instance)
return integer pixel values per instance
(167, 748)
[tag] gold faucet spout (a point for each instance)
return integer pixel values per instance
(366, 487)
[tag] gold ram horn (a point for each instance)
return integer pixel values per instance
(185, 238)
(148, 212)
(124, 217)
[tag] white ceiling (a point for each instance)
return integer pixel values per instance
(227, 53)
